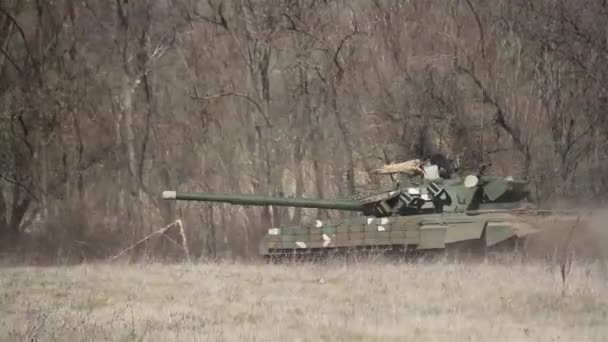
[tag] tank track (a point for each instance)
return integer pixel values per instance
(468, 250)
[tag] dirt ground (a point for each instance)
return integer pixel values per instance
(361, 301)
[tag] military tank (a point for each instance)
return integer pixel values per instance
(428, 209)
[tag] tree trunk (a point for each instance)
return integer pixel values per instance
(167, 208)
(319, 184)
(19, 208)
(44, 183)
(80, 206)
(350, 164)
(133, 208)
(3, 213)
(211, 240)
(225, 236)
(298, 158)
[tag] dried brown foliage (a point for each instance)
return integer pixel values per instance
(104, 104)
(368, 301)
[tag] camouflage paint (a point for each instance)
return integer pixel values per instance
(418, 214)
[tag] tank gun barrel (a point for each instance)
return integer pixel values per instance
(346, 204)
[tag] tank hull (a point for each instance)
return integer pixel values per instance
(408, 234)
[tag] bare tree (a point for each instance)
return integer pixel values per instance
(280, 97)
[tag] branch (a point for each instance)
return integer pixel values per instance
(480, 27)
(122, 13)
(21, 33)
(337, 54)
(394, 116)
(27, 221)
(573, 140)
(25, 133)
(243, 96)
(577, 31)
(19, 185)
(500, 118)
(294, 27)
(161, 231)
(97, 158)
(220, 21)
(555, 42)
(10, 59)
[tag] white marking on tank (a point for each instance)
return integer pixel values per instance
(413, 191)
(326, 240)
(319, 224)
(273, 231)
(301, 244)
(370, 220)
(381, 229)
(384, 220)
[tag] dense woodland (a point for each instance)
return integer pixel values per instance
(105, 104)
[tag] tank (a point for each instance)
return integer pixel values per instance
(427, 209)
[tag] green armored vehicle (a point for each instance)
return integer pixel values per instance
(427, 210)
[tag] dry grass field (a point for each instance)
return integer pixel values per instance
(371, 300)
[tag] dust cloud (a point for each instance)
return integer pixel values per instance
(585, 240)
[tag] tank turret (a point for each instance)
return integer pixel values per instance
(408, 198)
